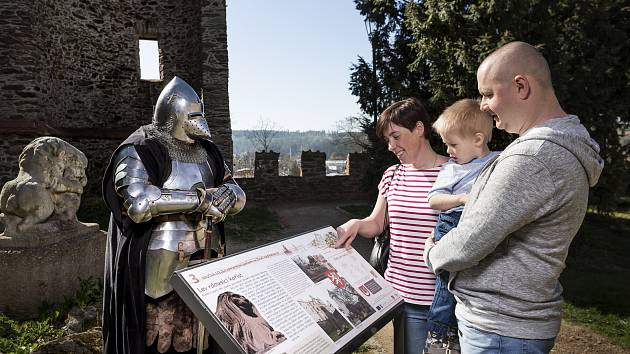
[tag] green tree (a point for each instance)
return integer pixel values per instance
(585, 42)
(386, 79)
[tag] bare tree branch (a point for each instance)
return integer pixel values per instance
(352, 129)
(263, 135)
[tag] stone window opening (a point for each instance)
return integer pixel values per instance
(149, 53)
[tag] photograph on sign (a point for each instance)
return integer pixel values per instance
(241, 318)
(298, 295)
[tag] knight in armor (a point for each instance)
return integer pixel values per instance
(168, 188)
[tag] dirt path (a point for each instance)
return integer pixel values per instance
(573, 339)
(298, 218)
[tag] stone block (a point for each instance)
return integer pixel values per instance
(266, 164)
(46, 267)
(313, 163)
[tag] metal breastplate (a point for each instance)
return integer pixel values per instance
(175, 237)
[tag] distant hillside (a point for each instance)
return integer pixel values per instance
(286, 142)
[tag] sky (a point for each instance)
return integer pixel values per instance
(289, 62)
(149, 59)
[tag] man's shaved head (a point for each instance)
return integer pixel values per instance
(517, 58)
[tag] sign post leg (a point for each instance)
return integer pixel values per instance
(201, 332)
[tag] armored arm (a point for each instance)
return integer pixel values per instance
(144, 201)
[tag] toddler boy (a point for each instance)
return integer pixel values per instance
(466, 131)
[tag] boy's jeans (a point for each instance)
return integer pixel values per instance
(442, 312)
(476, 341)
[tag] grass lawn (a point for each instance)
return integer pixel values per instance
(23, 337)
(597, 278)
(251, 222)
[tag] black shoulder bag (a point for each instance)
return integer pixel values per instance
(380, 250)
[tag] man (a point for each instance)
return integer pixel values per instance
(507, 253)
(166, 187)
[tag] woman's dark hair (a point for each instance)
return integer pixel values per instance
(405, 113)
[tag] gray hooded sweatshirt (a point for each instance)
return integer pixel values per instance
(507, 253)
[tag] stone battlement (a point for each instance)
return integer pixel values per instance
(311, 185)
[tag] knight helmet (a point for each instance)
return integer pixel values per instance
(179, 112)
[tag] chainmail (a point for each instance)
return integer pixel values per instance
(177, 150)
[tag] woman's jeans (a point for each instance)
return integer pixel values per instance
(476, 341)
(410, 329)
(441, 315)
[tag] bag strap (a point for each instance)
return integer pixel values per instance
(386, 221)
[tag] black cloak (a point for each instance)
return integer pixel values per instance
(124, 311)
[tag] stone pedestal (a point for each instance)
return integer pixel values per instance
(42, 266)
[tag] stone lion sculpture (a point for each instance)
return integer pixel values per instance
(48, 186)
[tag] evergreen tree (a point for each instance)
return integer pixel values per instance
(585, 42)
(387, 79)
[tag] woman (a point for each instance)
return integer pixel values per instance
(403, 191)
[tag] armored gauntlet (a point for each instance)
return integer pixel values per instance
(227, 199)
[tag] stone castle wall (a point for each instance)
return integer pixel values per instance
(71, 69)
(312, 185)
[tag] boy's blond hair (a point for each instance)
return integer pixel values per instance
(464, 118)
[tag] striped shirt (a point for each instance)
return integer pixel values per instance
(411, 221)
